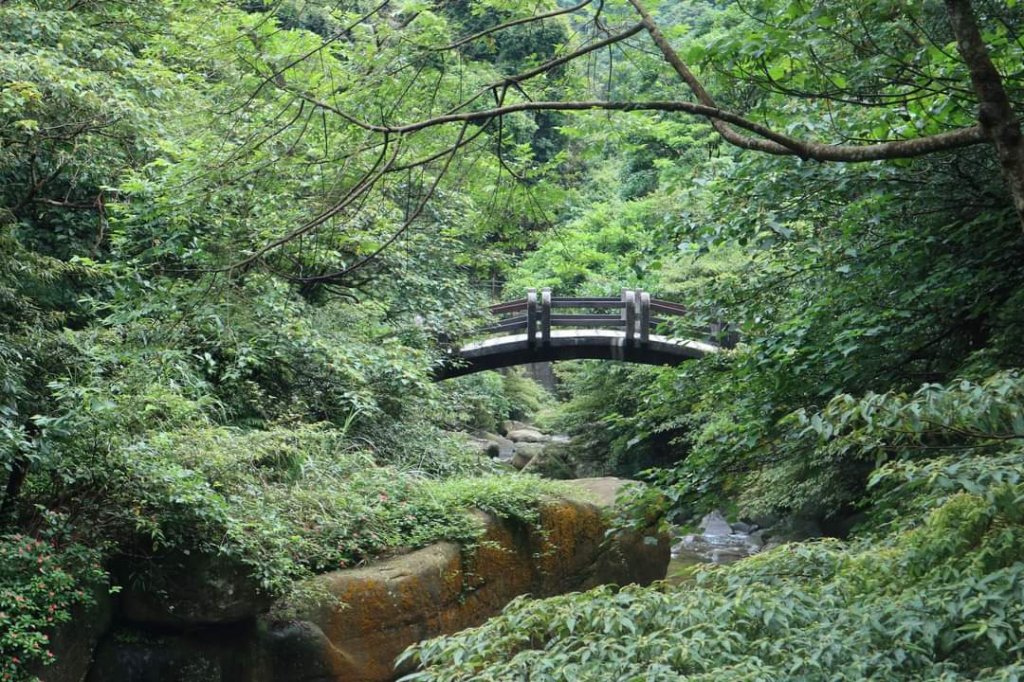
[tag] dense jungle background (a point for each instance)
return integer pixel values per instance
(237, 237)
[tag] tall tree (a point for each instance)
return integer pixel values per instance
(924, 64)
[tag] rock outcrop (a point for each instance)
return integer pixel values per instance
(382, 608)
(441, 589)
(527, 435)
(72, 643)
(554, 461)
(483, 446)
(225, 653)
(192, 590)
(505, 446)
(512, 425)
(540, 453)
(524, 453)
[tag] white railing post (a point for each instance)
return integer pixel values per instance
(531, 316)
(545, 316)
(644, 302)
(629, 314)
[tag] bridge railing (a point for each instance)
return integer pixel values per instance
(634, 312)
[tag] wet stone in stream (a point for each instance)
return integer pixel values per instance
(717, 543)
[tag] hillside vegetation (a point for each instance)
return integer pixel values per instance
(236, 237)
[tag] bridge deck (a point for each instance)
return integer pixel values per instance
(573, 344)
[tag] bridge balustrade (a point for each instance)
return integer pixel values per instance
(635, 312)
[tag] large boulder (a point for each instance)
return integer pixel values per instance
(523, 453)
(554, 461)
(484, 447)
(527, 436)
(191, 589)
(378, 610)
(213, 654)
(386, 606)
(73, 643)
(715, 524)
(512, 425)
(381, 609)
(638, 556)
(505, 446)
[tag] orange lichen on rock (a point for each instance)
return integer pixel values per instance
(444, 588)
(568, 536)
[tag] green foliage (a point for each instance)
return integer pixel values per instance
(827, 455)
(176, 374)
(516, 497)
(41, 580)
(286, 502)
(611, 246)
(488, 398)
(932, 591)
(158, 397)
(601, 415)
(942, 601)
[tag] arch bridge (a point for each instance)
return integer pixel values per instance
(542, 327)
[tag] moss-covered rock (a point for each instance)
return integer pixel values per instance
(386, 606)
(554, 461)
(527, 435)
(523, 453)
(214, 654)
(378, 610)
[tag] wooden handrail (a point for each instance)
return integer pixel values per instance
(668, 307)
(509, 306)
(587, 302)
(634, 312)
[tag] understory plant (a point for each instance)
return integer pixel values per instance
(42, 579)
(930, 587)
(940, 601)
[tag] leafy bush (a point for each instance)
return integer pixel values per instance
(40, 581)
(484, 400)
(941, 601)
(290, 501)
(934, 589)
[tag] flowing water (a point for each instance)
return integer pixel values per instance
(717, 542)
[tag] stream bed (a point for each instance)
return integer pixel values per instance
(716, 542)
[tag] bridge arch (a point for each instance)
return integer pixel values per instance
(542, 327)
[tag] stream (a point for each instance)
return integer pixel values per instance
(716, 542)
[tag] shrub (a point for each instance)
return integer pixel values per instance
(943, 601)
(41, 579)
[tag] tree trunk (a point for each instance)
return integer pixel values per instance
(15, 480)
(995, 111)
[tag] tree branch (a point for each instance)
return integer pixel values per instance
(277, 73)
(335, 276)
(368, 180)
(509, 24)
(895, 149)
(769, 145)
